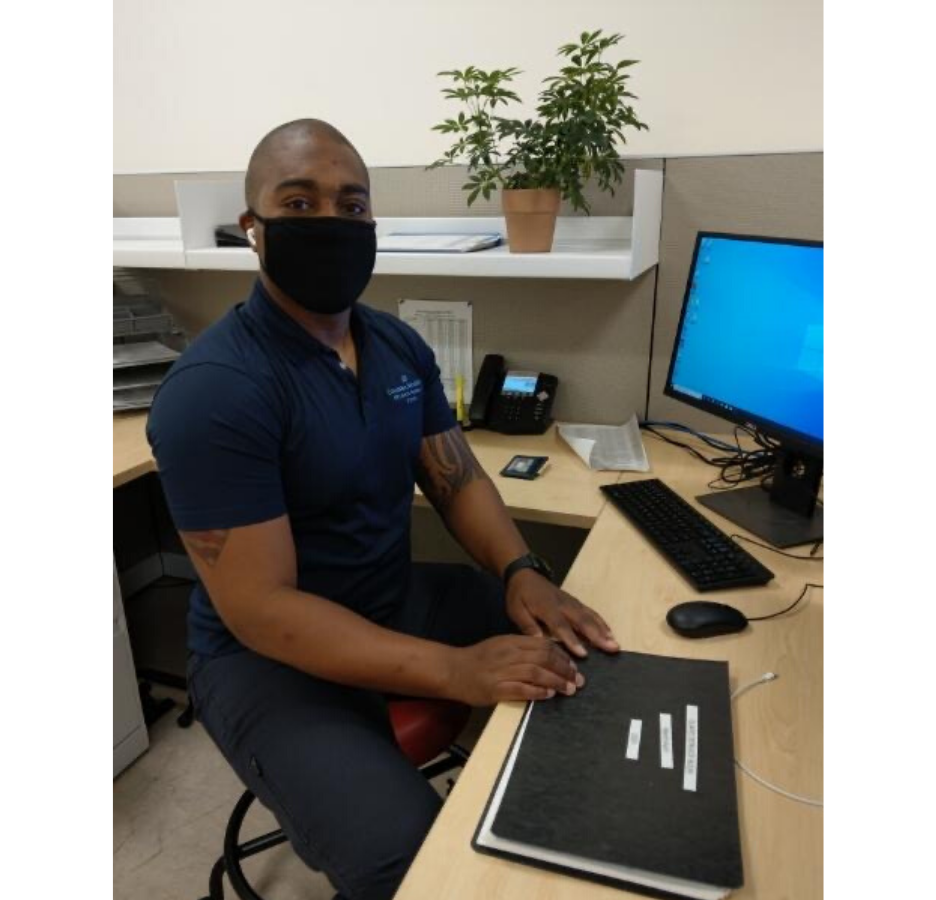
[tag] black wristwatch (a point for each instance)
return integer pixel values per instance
(528, 561)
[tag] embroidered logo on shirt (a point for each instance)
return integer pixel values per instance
(408, 391)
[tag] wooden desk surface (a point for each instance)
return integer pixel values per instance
(778, 726)
(132, 457)
(565, 494)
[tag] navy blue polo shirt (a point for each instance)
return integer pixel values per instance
(258, 419)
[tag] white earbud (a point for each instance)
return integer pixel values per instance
(251, 238)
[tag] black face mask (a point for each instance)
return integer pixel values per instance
(323, 263)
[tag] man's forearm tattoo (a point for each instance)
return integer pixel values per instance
(206, 545)
(447, 465)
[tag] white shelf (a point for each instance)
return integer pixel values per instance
(570, 258)
(231, 259)
(148, 243)
(597, 247)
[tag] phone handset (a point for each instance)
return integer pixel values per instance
(490, 379)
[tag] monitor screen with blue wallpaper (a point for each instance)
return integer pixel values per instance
(749, 344)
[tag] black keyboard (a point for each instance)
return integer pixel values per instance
(702, 552)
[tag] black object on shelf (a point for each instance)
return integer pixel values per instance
(230, 236)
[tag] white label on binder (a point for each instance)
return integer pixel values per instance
(690, 767)
(666, 741)
(633, 739)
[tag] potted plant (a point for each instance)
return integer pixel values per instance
(536, 163)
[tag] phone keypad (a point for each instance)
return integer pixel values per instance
(513, 404)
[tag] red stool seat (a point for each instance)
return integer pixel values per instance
(426, 728)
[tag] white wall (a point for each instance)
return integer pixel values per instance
(198, 82)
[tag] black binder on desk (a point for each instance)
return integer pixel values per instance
(586, 790)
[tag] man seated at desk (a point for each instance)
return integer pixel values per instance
(288, 438)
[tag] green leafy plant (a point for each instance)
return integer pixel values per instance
(581, 113)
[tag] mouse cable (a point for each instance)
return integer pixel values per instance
(768, 676)
(811, 558)
(806, 587)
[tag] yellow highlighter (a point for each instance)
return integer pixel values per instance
(460, 398)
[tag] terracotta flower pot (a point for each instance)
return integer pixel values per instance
(531, 218)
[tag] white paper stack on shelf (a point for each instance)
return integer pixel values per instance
(436, 243)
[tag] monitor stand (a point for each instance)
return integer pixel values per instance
(786, 515)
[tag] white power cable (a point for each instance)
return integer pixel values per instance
(766, 677)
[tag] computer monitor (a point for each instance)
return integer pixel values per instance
(749, 349)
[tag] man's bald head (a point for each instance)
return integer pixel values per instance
(295, 137)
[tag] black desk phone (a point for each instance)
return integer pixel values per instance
(512, 401)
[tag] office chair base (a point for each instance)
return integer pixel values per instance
(234, 852)
(153, 708)
(187, 716)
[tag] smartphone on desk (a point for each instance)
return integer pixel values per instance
(512, 401)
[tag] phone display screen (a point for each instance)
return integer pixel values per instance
(519, 383)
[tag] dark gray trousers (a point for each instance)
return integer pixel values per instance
(322, 757)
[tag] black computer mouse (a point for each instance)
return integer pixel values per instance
(703, 618)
